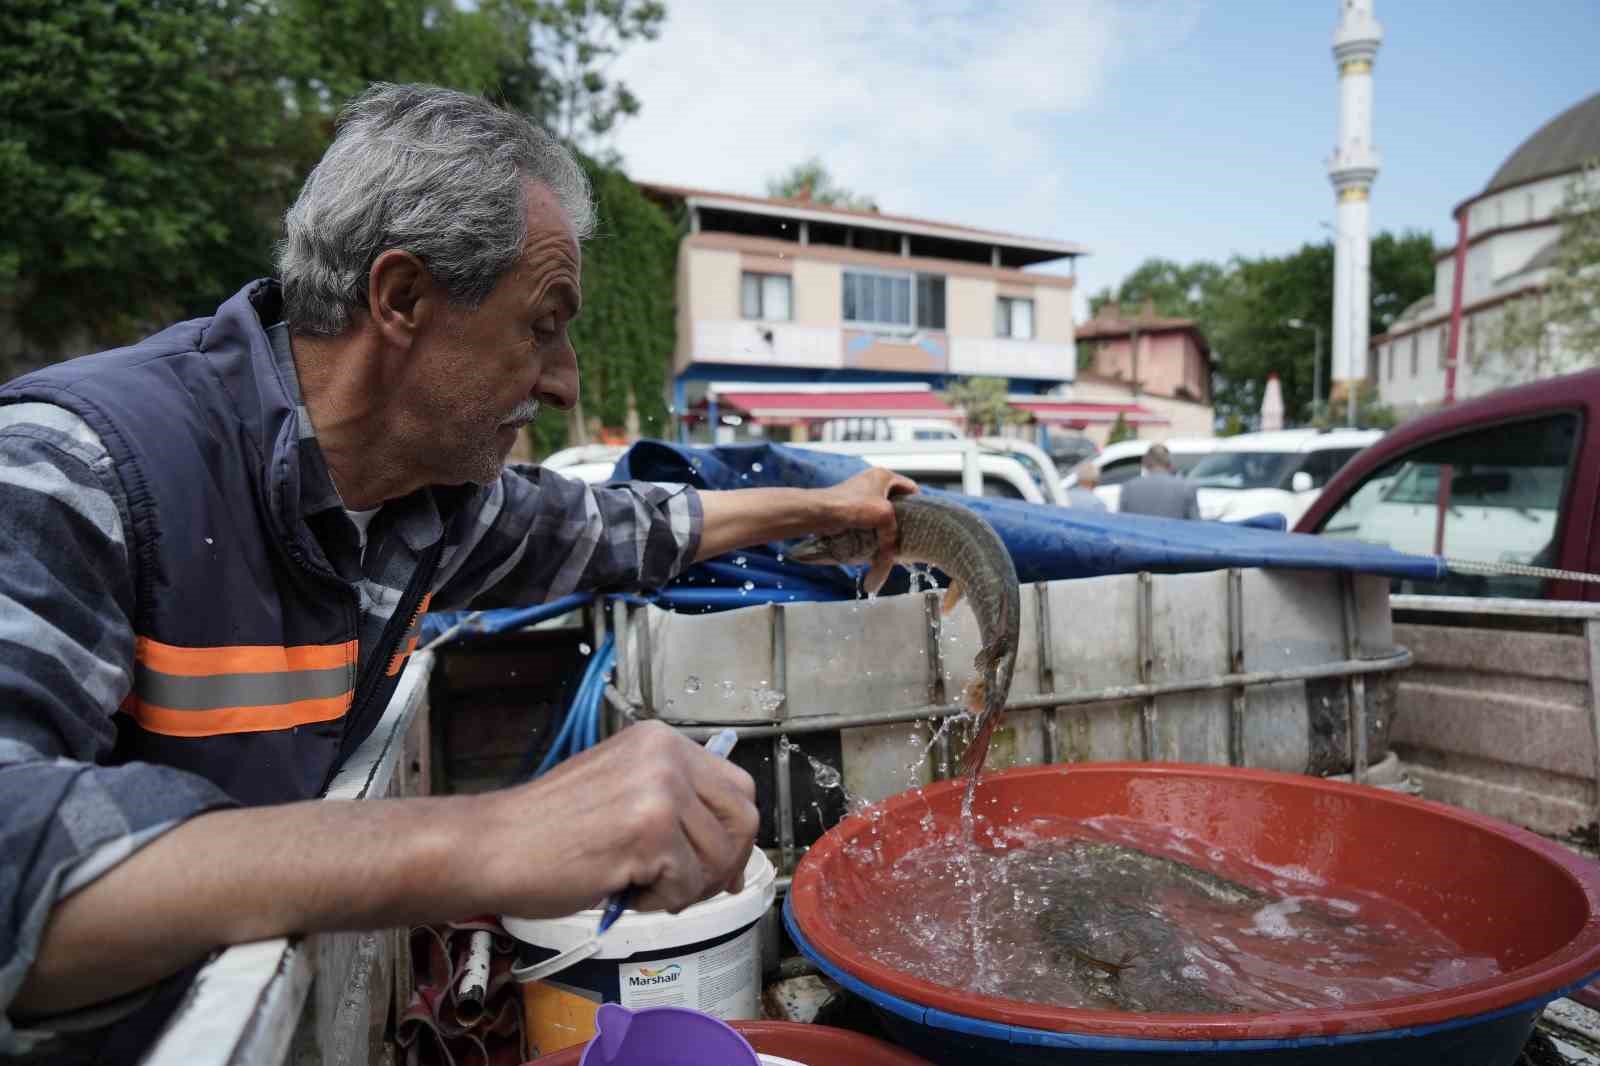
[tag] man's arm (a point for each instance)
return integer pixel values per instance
(115, 877)
(541, 536)
(648, 808)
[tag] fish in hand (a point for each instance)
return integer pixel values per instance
(945, 534)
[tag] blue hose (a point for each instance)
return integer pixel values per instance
(580, 729)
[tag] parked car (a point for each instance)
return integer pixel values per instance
(1510, 477)
(1067, 452)
(887, 429)
(1120, 462)
(589, 463)
(1279, 472)
(998, 472)
(1044, 471)
(1006, 471)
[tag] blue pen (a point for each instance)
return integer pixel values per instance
(720, 745)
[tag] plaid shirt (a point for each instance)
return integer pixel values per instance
(67, 643)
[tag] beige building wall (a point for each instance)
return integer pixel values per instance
(713, 284)
(1052, 315)
(818, 293)
(969, 307)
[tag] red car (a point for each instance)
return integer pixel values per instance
(1510, 477)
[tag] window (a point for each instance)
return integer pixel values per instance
(1243, 470)
(1115, 473)
(1013, 318)
(1413, 355)
(1389, 351)
(764, 296)
(1323, 463)
(930, 301)
(900, 300)
(1492, 496)
(1444, 354)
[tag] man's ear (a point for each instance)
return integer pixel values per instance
(399, 296)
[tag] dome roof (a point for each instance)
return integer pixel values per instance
(1561, 145)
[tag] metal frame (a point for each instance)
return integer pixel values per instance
(1353, 669)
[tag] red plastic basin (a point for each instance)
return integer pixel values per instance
(814, 1045)
(1495, 889)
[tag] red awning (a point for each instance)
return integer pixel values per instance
(796, 406)
(1073, 413)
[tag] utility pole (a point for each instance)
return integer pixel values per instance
(1316, 361)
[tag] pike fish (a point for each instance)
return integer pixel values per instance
(942, 533)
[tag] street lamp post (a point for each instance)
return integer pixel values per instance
(1316, 361)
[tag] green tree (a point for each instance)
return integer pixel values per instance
(810, 180)
(1243, 306)
(138, 148)
(148, 148)
(1555, 331)
(1120, 431)
(1174, 290)
(983, 400)
(574, 45)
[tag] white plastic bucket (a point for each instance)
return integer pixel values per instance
(706, 957)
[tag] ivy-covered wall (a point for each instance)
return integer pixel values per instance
(626, 333)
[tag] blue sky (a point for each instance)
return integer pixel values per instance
(1174, 128)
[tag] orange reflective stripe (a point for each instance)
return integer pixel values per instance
(242, 659)
(225, 720)
(250, 688)
(412, 632)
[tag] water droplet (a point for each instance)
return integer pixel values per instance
(210, 541)
(780, 557)
(739, 560)
(748, 585)
(583, 649)
(691, 684)
(756, 467)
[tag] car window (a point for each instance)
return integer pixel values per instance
(1183, 462)
(1323, 463)
(946, 482)
(1242, 470)
(1119, 470)
(1000, 487)
(1489, 496)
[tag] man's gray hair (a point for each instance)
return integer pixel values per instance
(1088, 473)
(435, 172)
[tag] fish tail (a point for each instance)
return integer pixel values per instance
(977, 698)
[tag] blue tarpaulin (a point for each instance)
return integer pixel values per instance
(1046, 543)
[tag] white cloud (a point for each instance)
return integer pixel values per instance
(940, 108)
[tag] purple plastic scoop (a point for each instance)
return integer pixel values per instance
(664, 1036)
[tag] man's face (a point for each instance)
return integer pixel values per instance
(484, 373)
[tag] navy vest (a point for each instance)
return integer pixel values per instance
(246, 662)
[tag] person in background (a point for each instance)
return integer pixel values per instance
(1160, 491)
(1082, 494)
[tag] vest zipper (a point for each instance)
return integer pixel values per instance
(403, 617)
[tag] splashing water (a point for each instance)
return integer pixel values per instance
(691, 684)
(1115, 914)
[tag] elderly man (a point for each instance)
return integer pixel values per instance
(1159, 490)
(1081, 494)
(217, 546)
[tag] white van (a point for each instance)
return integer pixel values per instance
(843, 430)
(1280, 472)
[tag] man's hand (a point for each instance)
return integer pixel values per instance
(862, 502)
(742, 517)
(648, 809)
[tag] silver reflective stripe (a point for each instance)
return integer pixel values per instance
(179, 693)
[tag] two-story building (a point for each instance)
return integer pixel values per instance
(776, 291)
